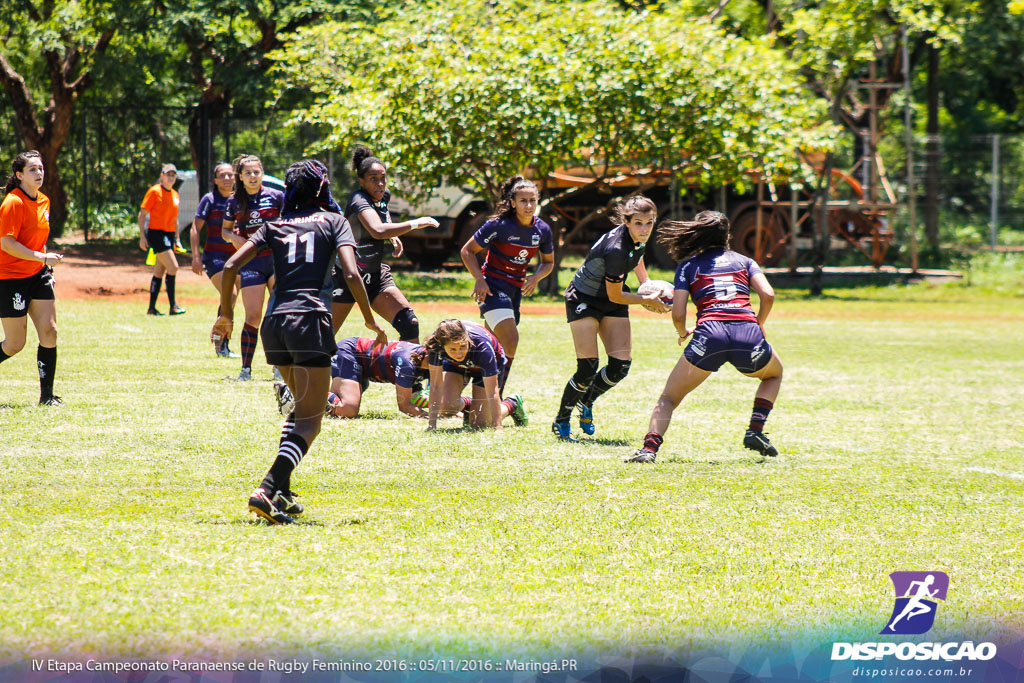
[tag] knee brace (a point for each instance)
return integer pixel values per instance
(586, 369)
(406, 324)
(616, 370)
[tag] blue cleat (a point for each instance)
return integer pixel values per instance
(563, 431)
(587, 419)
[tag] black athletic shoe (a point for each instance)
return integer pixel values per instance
(153, 311)
(52, 401)
(756, 441)
(642, 455)
(265, 508)
(286, 503)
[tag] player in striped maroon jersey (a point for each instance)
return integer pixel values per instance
(719, 281)
(511, 238)
(358, 362)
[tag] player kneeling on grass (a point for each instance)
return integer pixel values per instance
(360, 361)
(719, 280)
(297, 333)
(458, 352)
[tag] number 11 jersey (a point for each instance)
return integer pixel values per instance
(304, 248)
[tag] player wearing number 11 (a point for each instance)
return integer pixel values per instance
(296, 330)
(719, 281)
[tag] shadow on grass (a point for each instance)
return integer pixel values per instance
(605, 441)
(15, 406)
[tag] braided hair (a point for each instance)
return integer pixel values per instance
(18, 166)
(307, 185)
(686, 239)
(241, 194)
(507, 196)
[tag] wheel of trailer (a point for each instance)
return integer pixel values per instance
(771, 248)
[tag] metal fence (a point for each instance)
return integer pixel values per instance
(119, 151)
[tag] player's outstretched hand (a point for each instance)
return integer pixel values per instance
(653, 302)
(382, 337)
(481, 291)
(423, 222)
(221, 330)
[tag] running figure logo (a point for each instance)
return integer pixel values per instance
(914, 611)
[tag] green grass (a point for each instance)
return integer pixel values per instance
(124, 529)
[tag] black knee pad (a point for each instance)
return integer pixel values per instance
(586, 369)
(617, 370)
(406, 324)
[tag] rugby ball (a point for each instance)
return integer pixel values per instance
(666, 291)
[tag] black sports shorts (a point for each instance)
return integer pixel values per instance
(579, 306)
(160, 240)
(375, 283)
(305, 339)
(17, 293)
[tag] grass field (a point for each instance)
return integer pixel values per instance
(125, 534)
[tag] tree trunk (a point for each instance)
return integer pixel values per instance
(931, 200)
(822, 234)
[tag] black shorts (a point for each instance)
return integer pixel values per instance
(17, 293)
(375, 283)
(579, 306)
(305, 339)
(160, 240)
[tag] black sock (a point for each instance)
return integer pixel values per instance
(571, 395)
(3, 356)
(289, 455)
(598, 387)
(170, 291)
(154, 292)
(504, 373)
(652, 441)
(46, 358)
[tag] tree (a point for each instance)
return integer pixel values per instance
(48, 52)
(471, 93)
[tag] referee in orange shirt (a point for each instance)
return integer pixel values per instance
(160, 212)
(26, 275)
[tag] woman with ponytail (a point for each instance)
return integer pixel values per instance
(511, 238)
(367, 211)
(719, 281)
(26, 270)
(249, 208)
(297, 333)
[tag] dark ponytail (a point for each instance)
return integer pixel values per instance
(363, 160)
(241, 194)
(686, 239)
(18, 166)
(507, 195)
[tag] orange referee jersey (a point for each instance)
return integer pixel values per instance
(163, 208)
(27, 221)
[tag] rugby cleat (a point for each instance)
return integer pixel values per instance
(265, 508)
(179, 247)
(286, 503)
(563, 432)
(757, 441)
(587, 419)
(245, 375)
(642, 455)
(51, 401)
(177, 310)
(153, 311)
(518, 412)
(285, 400)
